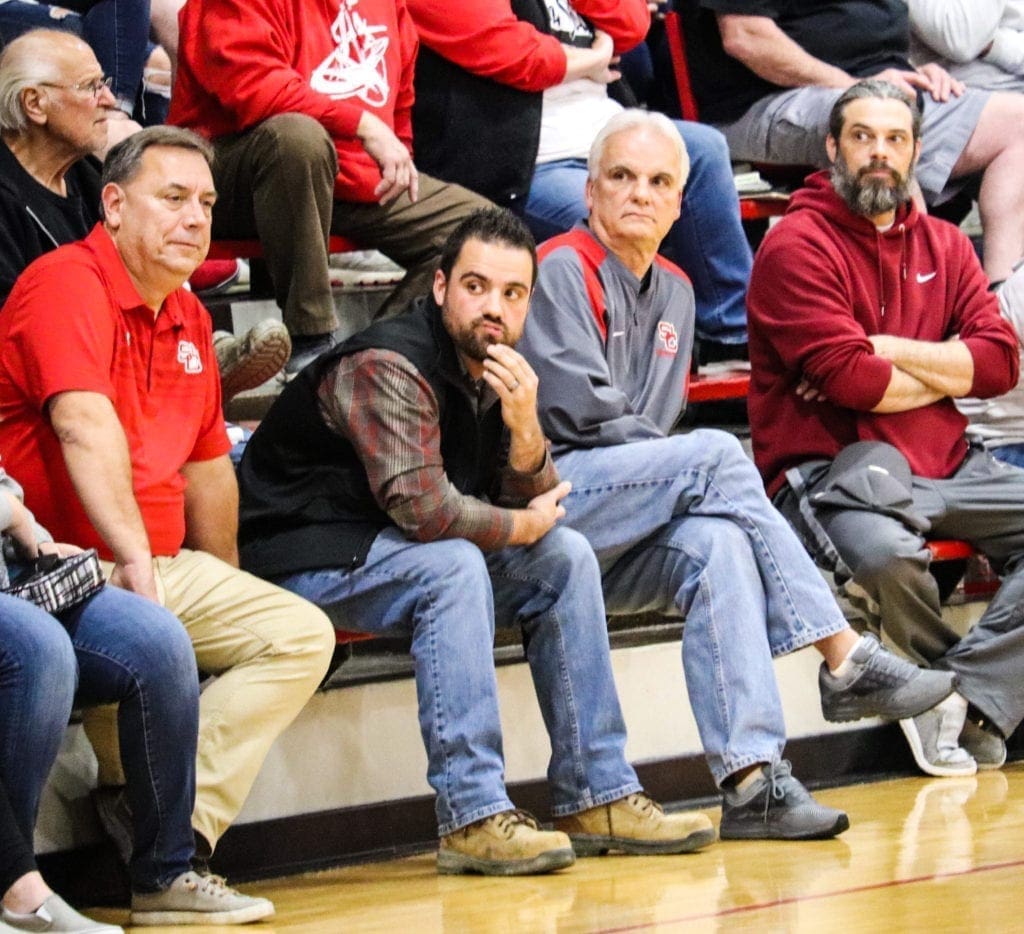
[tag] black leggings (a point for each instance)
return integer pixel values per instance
(16, 856)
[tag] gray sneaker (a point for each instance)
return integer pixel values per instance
(934, 738)
(198, 899)
(988, 749)
(778, 807)
(878, 684)
(56, 915)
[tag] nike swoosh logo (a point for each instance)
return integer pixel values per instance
(926, 277)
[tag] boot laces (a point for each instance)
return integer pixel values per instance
(507, 821)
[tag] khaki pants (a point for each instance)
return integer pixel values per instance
(275, 181)
(269, 651)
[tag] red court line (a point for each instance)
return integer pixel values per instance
(741, 909)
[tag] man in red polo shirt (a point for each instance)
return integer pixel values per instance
(110, 413)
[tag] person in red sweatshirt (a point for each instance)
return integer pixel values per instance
(867, 319)
(308, 104)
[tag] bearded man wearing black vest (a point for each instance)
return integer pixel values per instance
(403, 481)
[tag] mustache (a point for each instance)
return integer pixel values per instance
(879, 166)
(490, 319)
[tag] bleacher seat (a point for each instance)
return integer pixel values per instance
(253, 249)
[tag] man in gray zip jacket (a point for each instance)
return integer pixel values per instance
(680, 524)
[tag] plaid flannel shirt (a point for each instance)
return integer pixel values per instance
(380, 402)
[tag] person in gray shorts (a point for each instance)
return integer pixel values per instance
(981, 44)
(767, 72)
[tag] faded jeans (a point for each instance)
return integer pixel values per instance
(448, 596)
(681, 526)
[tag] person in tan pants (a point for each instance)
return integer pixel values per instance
(111, 411)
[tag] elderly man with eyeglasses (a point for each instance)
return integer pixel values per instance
(55, 116)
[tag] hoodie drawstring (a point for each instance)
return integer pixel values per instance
(904, 265)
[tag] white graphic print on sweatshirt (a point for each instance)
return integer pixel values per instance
(356, 68)
(568, 25)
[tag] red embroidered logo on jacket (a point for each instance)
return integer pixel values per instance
(668, 339)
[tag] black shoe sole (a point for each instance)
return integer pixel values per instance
(764, 832)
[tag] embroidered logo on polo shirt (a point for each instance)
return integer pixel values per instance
(189, 357)
(668, 339)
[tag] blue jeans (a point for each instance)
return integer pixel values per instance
(707, 241)
(681, 526)
(1010, 454)
(122, 649)
(116, 30)
(448, 596)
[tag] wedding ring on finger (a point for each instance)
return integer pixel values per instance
(514, 386)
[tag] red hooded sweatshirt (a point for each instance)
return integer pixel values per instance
(824, 280)
(242, 61)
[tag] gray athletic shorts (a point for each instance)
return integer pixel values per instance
(790, 128)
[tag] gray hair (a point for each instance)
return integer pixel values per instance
(627, 120)
(24, 63)
(125, 159)
(872, 88)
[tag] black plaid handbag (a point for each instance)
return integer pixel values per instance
(56, 584)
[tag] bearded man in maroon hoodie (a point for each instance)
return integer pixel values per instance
(867, 319)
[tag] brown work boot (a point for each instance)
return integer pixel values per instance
(506, 844)
(635, 824)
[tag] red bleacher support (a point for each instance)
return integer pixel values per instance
(949, 549)
(735, 384)
(253, 249)
(345, 636)
(758, 209)
(680, 67)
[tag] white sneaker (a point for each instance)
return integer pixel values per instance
(934, 738)
(193, 898)
(55, 915)
(365, 268)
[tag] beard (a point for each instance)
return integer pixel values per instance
(869, 196)
(471, 341)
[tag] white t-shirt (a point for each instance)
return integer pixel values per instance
(573, 112)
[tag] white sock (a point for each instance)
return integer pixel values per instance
(954, 712)
(844, 665)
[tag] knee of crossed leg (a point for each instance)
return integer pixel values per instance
(295, 141)
(884, 570)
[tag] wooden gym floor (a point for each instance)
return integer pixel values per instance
(921, 855)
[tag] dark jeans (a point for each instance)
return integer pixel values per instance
(115, 648)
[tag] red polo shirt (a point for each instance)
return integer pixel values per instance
(75, 321)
